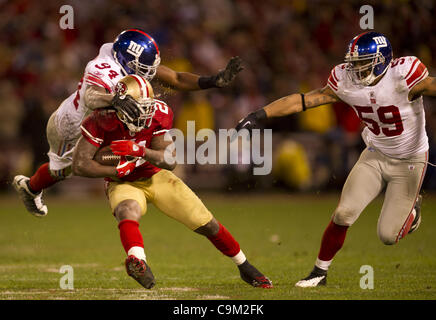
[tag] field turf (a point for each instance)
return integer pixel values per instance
(280, 234)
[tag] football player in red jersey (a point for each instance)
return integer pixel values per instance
(132, 52)
(148, 178)
(386, 94)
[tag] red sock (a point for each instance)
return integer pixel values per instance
(332, 241)
(225, 242)
(130, 234)
(41, 179)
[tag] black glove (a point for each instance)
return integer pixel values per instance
(252, 120)
(224, 77)
(127, 104)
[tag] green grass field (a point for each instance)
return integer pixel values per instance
(279, 234)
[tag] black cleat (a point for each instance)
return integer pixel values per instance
(417, 221)
(140, 271)
(318, 277)
(253, 276)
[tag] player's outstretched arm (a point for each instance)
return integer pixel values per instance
(97, 97)
(288, 105)
(85, 166)
(426, 87)
(186, 81)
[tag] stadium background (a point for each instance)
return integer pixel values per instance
(286, 46)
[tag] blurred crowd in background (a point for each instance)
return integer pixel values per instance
(287, 46)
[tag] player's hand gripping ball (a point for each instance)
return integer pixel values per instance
(127, 148)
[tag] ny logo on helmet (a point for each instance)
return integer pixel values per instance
(135, 49)
(380, 41)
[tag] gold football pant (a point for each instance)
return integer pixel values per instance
(168, 193)
(370, 175)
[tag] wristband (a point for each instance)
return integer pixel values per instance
(303, 103)
(207, 82)
(260, 114)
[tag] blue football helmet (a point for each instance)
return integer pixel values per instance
(136, 53)
(368, 57)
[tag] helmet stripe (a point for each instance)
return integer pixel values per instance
(355, 41)
(152, 40)
(137, 78)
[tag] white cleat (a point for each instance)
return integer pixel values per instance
(313, 282)
(32, 202)
(316, 278)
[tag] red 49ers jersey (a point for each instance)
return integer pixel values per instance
(102, 127)
(394, 125)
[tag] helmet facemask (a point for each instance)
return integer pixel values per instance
(360, 69)
(144, 70)
(146, 107)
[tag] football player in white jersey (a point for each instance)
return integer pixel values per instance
(132, 52)
(386, 94)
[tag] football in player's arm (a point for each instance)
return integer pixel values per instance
(147, 177)
(133, 52)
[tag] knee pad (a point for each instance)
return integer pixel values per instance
(344, 216)
(388, 238)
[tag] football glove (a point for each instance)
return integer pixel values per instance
(252, 120)
(127, 104)
(127, 148)
(125, 167)
(224, 77)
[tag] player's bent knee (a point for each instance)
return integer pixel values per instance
(209, 229)
(344, 216)
(387, 237)
(128, 209)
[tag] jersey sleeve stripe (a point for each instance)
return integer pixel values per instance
(159, 132)
(93, 140)
(98, 82)
(423, 76)
(411, 68)
(420, 70)
(332, 83)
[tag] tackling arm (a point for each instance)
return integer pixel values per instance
(85, 166)
(294, 102)
(288, 105)
(97, 97)
(187, 81)
(426, 87)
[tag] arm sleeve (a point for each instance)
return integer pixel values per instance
(412, 70)
(96, 77)
(333, 80)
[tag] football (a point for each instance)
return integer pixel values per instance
(105, 157)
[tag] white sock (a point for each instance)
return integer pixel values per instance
(137, 252)
(239, 258)
(324, 265)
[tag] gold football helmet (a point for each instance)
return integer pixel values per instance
(141, 91)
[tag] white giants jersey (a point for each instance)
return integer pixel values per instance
(394, 125)
(104, 72)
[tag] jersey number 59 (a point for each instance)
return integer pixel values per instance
(386, 115)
